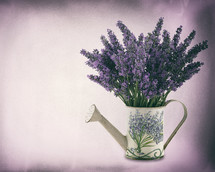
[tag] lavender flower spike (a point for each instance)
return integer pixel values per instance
(144, 70)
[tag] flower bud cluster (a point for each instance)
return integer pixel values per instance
(144, 67)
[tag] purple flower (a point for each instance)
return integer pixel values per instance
(142, 71)
(148, 125)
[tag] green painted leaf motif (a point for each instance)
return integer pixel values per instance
(147, 144)
(154, 154)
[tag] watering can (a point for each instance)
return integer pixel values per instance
(144, 138)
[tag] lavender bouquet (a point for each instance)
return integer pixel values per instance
(144, 70)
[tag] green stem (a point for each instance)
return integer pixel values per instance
(122, 98)
(152, 101)
(136, 94)
(165, 96)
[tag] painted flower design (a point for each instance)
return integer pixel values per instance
(146, 129)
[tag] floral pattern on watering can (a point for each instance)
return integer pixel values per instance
(145, 133)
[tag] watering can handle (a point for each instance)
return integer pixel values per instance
(180, 123)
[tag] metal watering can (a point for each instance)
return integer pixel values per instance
(144, 138)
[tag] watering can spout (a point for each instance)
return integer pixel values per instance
(94, 115)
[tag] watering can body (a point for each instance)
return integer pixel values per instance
(144, 138)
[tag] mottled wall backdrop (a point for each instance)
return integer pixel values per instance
(45, 94)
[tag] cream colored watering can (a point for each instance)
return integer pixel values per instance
(144, 139)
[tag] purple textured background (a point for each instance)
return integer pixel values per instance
(45, 93)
